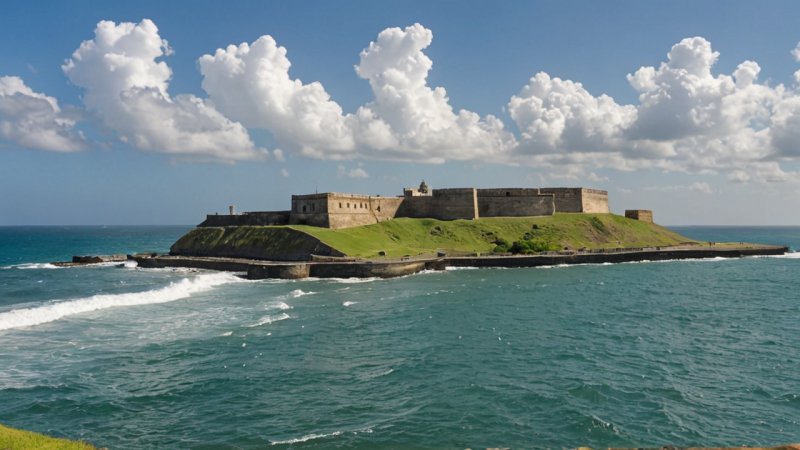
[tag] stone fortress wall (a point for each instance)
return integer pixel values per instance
(644, 215)
(341, 210)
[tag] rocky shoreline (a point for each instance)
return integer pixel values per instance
(350, 268)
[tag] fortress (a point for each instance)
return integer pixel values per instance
(339, 210)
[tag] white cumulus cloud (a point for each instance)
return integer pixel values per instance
(127, 88)
(407, 120)
(34, 120)
(687, 119)
(410, 120)
(250, 83)
(556, 116)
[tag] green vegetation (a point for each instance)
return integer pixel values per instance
(12, 439)
(410, 237)
(249, 242)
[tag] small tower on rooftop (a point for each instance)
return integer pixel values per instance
(423, 187)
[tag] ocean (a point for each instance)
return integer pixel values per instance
(701, 352)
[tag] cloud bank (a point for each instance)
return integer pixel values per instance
(34, 120)
(128, 89)
(407, 120)
(687, 118)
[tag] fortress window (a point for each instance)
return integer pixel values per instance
(304, 208)
(313, 206)
(508, 194)
(340, 205)
(379, 208)
(348, 204)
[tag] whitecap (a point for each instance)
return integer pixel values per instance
(25, 317)
(305, 438)
(299, 293)
(449, 268)
(266, 320)
(26, 266)
(278, 305)
(350, 280)
(788, 255)
(348, 303)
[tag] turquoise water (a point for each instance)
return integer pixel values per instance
(680, 352)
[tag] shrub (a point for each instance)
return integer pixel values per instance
(501, 246)
(527, 246)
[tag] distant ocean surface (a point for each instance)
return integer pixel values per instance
(681, 352)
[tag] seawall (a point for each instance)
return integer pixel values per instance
(331, 268)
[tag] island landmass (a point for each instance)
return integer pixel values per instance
(354, 235)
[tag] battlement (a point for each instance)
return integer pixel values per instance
(343, 210)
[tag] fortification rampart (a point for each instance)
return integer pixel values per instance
(644, 215)
(444, 204)
(255, 218)
(595, 201)
(342, 210)
(578, 200)
(339, 210)
(517, 202)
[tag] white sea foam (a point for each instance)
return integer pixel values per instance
(449, 268)
(348, 303)
(25, 317)
(227, 333)
(305, 438)
(299, 293)
(278, 305)
(789, 255)
(266, 320)
(351, 280)
(32, 266)
(130, 264)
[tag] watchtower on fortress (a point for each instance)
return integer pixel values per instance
(342, 210)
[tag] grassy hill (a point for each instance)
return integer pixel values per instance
(411, 237)
(408, 237)
(27, 440)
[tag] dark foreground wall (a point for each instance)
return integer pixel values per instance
(258, 218)
(387, 269)
(616, 257)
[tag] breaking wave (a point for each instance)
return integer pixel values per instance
(278, 305)
(313, 436)
(299, 293)
(266, 320)
(305, 438)
(26, 317)
(789, 255)
(32, 266)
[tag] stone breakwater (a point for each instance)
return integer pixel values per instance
(349, 268)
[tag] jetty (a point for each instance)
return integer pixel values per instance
(333, 267)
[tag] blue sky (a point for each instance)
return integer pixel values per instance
(138, 127)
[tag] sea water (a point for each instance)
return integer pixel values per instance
(702, 352)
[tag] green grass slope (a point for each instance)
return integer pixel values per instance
(26, 440)
(410, 237)
(273, 243)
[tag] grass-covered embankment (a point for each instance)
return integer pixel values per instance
(257, 242)
(409, 237)
(12, 439)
